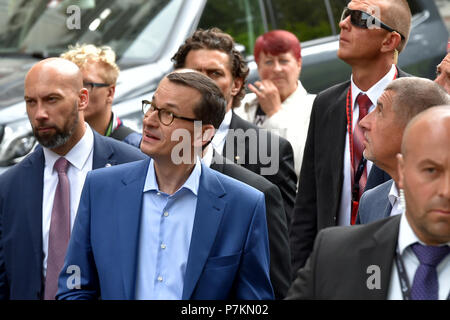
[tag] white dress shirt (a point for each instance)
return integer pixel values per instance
(218, 142)
(394, 199)
(80, 163)
(373, 93)
(407, 237)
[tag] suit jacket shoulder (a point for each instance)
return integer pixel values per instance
(274, 159)
(110, 151)
(374, 204)
(339, 266)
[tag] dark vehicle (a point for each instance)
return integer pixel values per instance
(146, 33)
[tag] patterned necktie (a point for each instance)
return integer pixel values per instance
(364, 104)
(425, 285)
(59, 229)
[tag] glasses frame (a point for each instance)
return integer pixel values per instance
(95, 85)
(151, 105)
(363, 18)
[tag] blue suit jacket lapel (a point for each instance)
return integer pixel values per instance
(129, 206)
(210, 208)
(103, 153)
(32, 201)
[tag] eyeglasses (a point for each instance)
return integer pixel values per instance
(92, 85)
(364, 20)
(165, 116)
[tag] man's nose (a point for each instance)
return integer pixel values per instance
(41, 112)
(151, 118)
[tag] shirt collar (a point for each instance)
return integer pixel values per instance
(393, 195)
(376, 90)
(406, 235)
(192, 183)
(222, 132)
(78, 155)
(207, 158)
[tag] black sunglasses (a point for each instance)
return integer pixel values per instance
(91, 85)
(364, 20)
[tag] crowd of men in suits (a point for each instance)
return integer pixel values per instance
(206, 205)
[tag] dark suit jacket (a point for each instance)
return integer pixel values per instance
(376, 176)
(253, 151)
(321, 177)
(338, 265)
(280, 255)
(228, 255)
(374, 204)
(21, 197)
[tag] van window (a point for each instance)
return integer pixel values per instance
(46, 28)
(243, 20)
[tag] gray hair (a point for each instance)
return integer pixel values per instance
(414, 95)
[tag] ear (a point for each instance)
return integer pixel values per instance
(391, 42)
(83, 99)
(208, 132)
(400, 170)
(237, 85)
(110, 95)
(299, 65)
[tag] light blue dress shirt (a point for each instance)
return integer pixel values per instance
(165, 237)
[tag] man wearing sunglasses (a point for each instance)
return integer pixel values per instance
(334, 172)
(169, 229)
(100, 73)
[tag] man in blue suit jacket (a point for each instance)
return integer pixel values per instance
(165, 228)
(22, 197)
(400, 102)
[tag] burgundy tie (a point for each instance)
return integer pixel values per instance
(59, 230)
(364, 104)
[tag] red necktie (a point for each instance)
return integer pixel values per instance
(364, 104)
(59, 230)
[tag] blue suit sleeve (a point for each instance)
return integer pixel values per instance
(254, 280)
(78, 279)
(3, 284)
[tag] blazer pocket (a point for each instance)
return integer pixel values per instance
(223, 261)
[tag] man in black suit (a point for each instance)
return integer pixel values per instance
(31, 253)
(330, 186)
(402, 257)
(212, 52)
(280, 257)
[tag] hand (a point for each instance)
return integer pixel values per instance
(268, 96)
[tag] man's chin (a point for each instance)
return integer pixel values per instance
(52, 141)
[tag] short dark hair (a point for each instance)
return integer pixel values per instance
(215, 39)
(211, 109)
